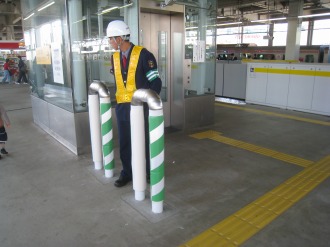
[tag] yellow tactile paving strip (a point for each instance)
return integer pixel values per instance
(243, 224)
(213, 135)
(274, 114)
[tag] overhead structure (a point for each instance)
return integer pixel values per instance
(10, 20)
(255, 10)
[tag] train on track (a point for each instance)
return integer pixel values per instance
(308, 54)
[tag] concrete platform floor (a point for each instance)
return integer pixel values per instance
(50, 197)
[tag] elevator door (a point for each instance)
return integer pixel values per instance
(155, 35)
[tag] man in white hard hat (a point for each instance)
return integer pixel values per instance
(134, 67)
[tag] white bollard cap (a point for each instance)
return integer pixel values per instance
(108, 173)
(98, 165)
(140, 195)
(157, 207)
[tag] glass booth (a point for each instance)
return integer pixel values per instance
(66, 50)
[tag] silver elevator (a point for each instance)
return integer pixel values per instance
(162, 34)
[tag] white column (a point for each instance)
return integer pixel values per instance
(294, 27)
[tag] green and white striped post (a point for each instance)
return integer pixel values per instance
(156, 133)
(101, 109)
(107, 136)
(157, 168)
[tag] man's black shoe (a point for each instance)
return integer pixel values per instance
(122, 181)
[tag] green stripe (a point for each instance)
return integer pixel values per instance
(110, 166)
(159, 197)
(157, 174)
(106, 127)
(151, 72)
(105, 107)
(107, 148)
(152, 75)
(155, 121)
(153, 78)
(157, 147)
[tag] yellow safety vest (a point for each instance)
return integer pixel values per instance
(124, 93)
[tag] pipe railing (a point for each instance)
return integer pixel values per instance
(156, 133)
(100, 109)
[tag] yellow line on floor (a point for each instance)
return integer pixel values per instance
(216, 136)
(274, 114)
(242, 225)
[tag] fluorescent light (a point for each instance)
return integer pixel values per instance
(273, 19)
(114, 8)
(124, 6)
(82, 19)
(221, 17)
(46, 6)
(108, 10)
(314, 15)
(189, 28)
(28, 17)
(230, 23)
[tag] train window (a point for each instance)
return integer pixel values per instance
(222, 57)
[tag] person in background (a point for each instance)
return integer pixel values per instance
(233, 57)
(134, 67)
(22, 71)
(7, 76)
(4, 120)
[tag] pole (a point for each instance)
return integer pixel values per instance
(107, 137)
(157, 168)
(95, 129)
(138, 152)
(103, 112)
(156, 132)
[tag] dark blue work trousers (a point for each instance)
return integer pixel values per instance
(125, 145)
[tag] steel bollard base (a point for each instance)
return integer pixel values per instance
(140, 195)
(98, 165)
(108, 173)
(157, 207)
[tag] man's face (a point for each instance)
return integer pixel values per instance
(113, 41)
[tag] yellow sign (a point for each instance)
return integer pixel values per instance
(43, 55)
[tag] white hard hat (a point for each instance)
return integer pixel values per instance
(117, 28)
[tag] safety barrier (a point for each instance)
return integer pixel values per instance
(100, 108)
(156, 132)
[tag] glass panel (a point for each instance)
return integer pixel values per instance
(162, 63)
(91, 51)
(201, 40)
(60, 74)
(44, 34)
(177, 69)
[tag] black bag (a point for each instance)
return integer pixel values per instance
(23, 68)
(3, 134)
